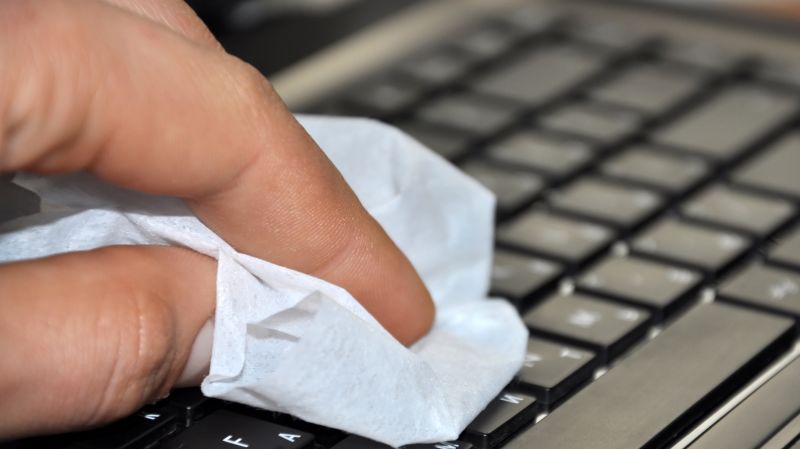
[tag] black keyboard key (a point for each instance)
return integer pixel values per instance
(553, 155)
(753, 214)
(650, 88)
(589, 322)
(227, 430)
(438, 67)
(190, 404)
(139, 431)
(666, 384)
(553, 370)
(701, 55)
(787, 251)
(699, 247)
(606, 34)
(562, 238)
(730, 122)
(652, 167)
(384, 96)
(775, 169)
(488, 40)
(661, 288)
(518, 277)
(764, 287)
(532, 19)
(513, 188)
(449, 144)
(505, 415)
(542, 74)
(621, 206)
(760, 416)
(471, 114)
(604, 124)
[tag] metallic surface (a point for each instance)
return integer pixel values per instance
(394, 38)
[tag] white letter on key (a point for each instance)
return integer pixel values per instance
(237, 442)
(290, 437)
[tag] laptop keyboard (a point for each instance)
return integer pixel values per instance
(647, 231)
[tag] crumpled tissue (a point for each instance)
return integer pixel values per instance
(286, 341)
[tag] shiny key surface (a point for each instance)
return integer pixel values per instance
(775, 169)
(504, 415)
(450, 144)
(571, 241)
(659, 287)
(590, 322)
(593, 121)
(488, 40)
(519, 276)
(468, 113)
(385, 95)
(541, 74)
(439, 66)
(597, 199)
(651, 88)
(746, 212)
(512, 188)
(555, 156)
(727, 124)
(657, 168)
(611, 35)
(787, 251)
(551, 370)
(765, 287)
(703, 248)
(665, 384)
(701, 55)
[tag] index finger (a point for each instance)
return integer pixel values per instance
(95, 88)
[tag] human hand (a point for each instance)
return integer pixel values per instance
(139, 93)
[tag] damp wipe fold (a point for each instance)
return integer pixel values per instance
(289, 342)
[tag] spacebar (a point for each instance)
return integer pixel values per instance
(669, 383)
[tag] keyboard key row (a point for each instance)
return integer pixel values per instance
(541, 75)
(729, 123)
(757, 215)
(666, 384)
(661, 288)
(586, 321)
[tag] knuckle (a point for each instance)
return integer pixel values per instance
(139, 324)
(251, 84)
(45, 42)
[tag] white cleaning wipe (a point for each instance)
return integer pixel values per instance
(292, 343)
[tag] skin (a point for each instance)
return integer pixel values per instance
(138, 92)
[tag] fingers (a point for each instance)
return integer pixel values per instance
(89, 337)
(135, 103)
